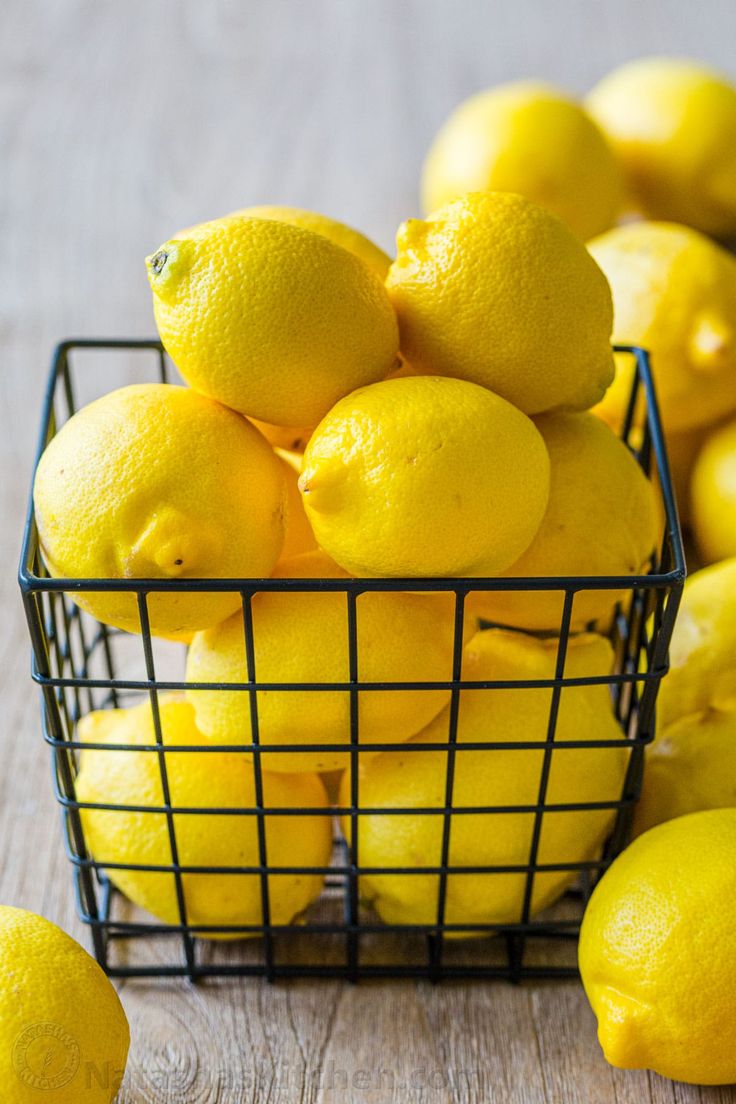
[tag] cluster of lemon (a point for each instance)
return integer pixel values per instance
(453, 438)
(447, 413)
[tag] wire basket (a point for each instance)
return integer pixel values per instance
(81, 665)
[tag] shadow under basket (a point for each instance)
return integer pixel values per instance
(81, 665)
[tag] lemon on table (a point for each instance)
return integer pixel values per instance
(337, 232)
(702, 671)
(157, 482)
(531, 138)
(414, 778)
(601, 519)
(672, 123)
(197, 780)
(60, 1017)
(492, 288)
(713, 495)
(299, 537)
(273, 320)
(674, 293)
(425, 476)
(303, 638)
(690, 766)
(658, 951)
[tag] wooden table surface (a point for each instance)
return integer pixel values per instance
(119, 123)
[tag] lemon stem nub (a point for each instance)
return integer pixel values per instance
(158, 260)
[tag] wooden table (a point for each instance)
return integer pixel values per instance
(121, 123)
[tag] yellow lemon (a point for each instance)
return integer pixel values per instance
(601, 519)
(290, 438)
(493, 289)
(713, 495)
(672, 124)
(690, 766)
(158, 482)
(337, 232)
(425, 476)
(530, 138)
(299, 536)
(702, 671)
(413, 778)
(303, 638)
(197, 780)
(271, 319)
(674, 293)
(64, 1033)
(658, 951)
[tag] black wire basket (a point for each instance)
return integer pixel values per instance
(82, 665)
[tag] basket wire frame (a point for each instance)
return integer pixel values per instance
(75, 664)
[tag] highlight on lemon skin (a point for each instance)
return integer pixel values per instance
(274, 320)
(531, 138)
(657, 951)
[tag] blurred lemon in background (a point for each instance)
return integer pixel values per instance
(674, 293)
(530, 138)
(713, 495)
(672, 124)
(690, 766)
(425, 476)
(492, 288)
(702, 671)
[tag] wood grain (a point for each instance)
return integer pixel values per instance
(118, 124)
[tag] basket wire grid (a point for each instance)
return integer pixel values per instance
(77, 661)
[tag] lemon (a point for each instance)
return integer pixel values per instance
(690, 766)
(425, 476)
(271, 319)
(658, 951)
(65, 1036)
(601, 520)
(158, 482)
(337, 232)
(414, 778)
(713, 495)
(530, 138)
(290, 438)
(303, 638)
(197, 780)
(493, 289)
(672, 123)
(703, 649)
(674, 293)
(299, 536)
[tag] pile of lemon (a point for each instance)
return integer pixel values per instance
(449, 413)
